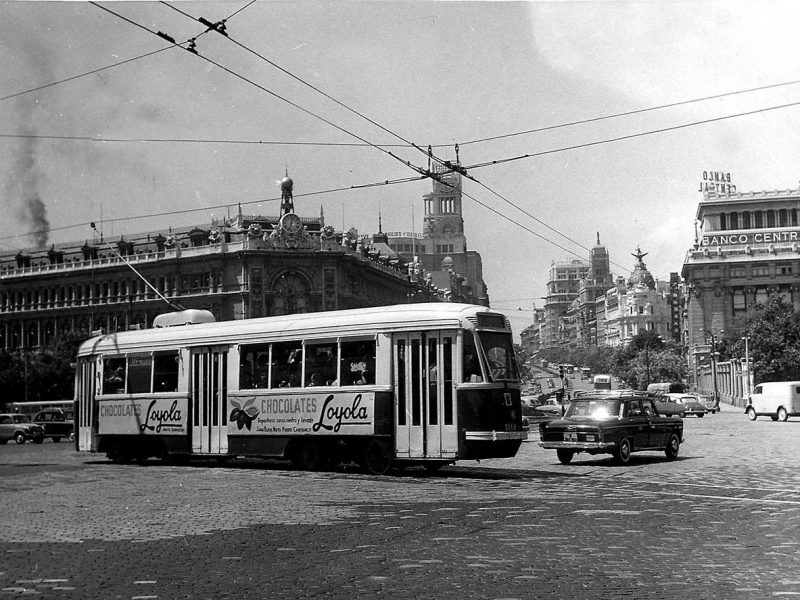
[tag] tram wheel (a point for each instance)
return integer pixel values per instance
(376, 460)
(434, 467)
(307, 456)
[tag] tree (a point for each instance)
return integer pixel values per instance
(647, 359)
(773, 330)
(41, 374)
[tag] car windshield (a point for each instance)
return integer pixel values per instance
(22, 419)
(595, 409)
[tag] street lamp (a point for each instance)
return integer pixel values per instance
(715, 394)
(747, 362)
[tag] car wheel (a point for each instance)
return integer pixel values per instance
(782, 414)
(673, 446)
(56, 439)
(701, 415)
(622, 454)
(683, 415)
(751, 413)
(565, 456)
(19, 438)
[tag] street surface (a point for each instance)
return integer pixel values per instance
(723, 521)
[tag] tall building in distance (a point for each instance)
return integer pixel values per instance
(441, 249)
(572, 287)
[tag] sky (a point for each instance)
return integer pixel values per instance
(103, 121)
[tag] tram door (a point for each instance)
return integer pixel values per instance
(209, 400)
(86, 415)
(425, 395)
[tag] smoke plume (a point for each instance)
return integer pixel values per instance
(23, 190)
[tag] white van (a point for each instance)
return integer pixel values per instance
(778, 400)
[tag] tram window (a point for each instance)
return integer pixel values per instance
(433, 382)
(500, 356)
(472, 365)
(287, 362)
(447, 375)
(321, 364)
(165, 371)
(254, 366)
(139, 373)
(358, 362)
(114, 376)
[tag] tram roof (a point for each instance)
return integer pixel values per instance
(323, 325)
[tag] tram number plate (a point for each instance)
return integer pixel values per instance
(570, 437)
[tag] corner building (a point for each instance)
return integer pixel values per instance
(747, 248)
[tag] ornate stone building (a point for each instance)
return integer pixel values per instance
(246, 266)
(633, 307)
(747, 247)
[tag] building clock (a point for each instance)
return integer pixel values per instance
(290, 224)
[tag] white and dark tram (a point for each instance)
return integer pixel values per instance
(388, 386)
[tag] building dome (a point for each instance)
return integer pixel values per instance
(640, 275)
(287, 184)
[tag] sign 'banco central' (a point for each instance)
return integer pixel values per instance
(755, 237)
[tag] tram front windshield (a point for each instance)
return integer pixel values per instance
(499, 353)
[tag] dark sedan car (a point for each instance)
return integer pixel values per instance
(616, 425)
(57, 424)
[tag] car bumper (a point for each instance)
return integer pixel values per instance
(494, 436)
(595, 446)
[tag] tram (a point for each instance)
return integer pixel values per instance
(416, 384)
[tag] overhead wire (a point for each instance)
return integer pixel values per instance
(306, 83)
(411, 144)
(632, 135)
(219, 206)
(631, 112)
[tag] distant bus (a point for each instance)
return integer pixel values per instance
(31, 408)
(601, 382)
(586, 373)
(414, 384)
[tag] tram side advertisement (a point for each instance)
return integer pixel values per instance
(344, 413)
(149, 416)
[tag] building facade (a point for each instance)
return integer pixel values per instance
(247, 266)
(747, 247)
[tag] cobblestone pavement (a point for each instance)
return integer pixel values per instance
(723, 521)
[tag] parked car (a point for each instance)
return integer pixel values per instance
(681, 405)
(548, 408)
(616, 425)
(19, 428)
(778, 400)
(57, 424)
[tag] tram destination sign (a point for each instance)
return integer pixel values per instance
(755, 237)
(326, 413)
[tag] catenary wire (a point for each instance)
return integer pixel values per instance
(309, 85)
(630, 112)
(344, 130)
(279, 97)
(632, 135)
